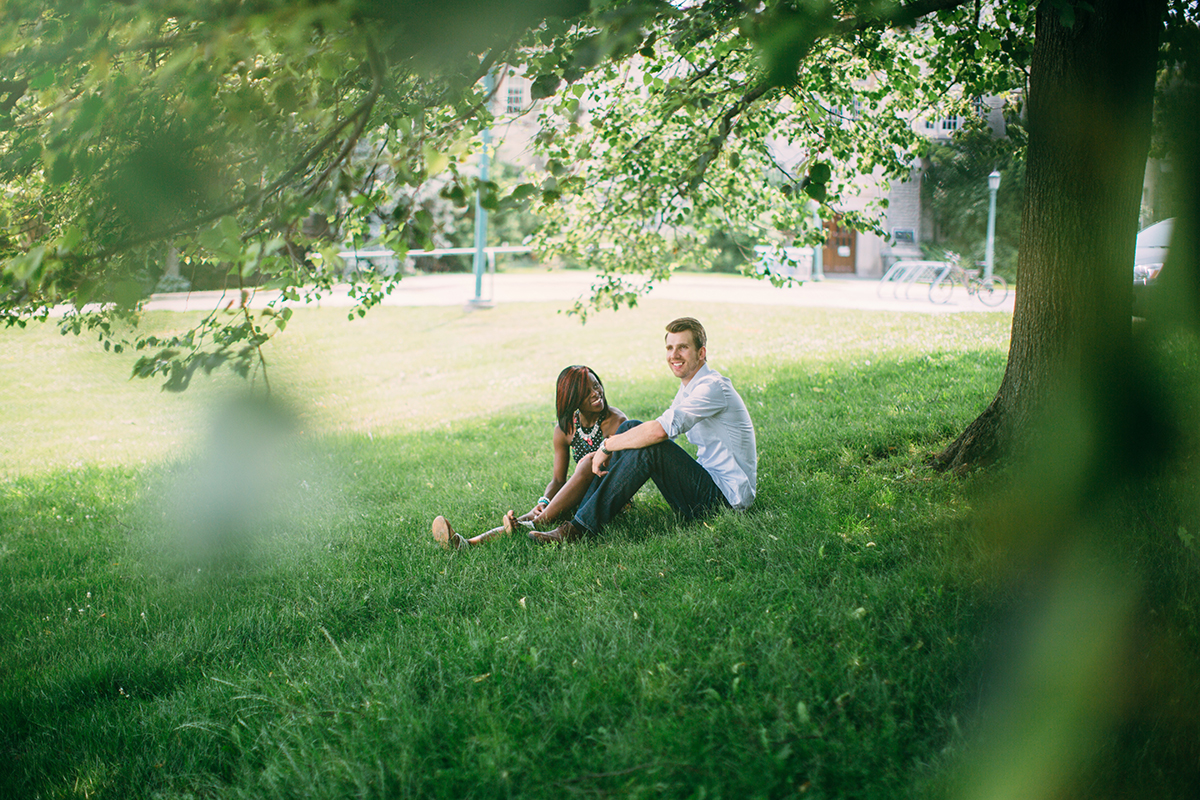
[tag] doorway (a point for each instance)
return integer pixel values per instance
(838, 255)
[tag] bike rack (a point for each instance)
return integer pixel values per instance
(903, 274)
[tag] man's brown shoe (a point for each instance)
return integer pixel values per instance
(567, 532)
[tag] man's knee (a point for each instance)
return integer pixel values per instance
(627, 424)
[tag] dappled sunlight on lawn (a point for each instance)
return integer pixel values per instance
(68, 403)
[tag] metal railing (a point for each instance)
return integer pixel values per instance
(391, 266)
(903, 275)
(353, 257)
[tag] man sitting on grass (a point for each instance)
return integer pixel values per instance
(710, 411)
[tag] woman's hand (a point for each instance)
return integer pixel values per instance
(532, 513)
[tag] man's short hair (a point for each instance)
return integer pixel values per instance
(699, 337)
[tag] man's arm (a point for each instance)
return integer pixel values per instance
(636, 438)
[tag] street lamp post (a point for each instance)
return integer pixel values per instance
(989, 255)
(481, 214)
(818, 261)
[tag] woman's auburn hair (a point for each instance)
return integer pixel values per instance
(573, 389)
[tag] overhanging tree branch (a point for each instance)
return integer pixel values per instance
(724, 129)
(15, 91)
(897, 16)
(360, 114)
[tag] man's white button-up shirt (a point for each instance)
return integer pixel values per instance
(714, 417)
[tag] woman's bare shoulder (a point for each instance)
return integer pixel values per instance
(615, 417)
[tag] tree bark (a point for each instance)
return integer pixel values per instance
(1090, 110)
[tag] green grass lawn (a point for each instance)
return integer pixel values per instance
(203, 598)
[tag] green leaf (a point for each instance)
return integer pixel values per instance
(523, 191)
(286, 98)
(454, 192)
(817, 191)
(127, 294)
(253, 255)
(23, 267)
(329, 69)
(1066, 14)
(435, 162)
(43, 80)
(544, 86)
(69, 240)
(62, 169)
(223, 239)
(85, 292)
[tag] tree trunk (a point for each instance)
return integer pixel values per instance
(1090, 109)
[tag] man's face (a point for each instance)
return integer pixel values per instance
(682, 356)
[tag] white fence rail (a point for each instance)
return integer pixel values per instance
(385, 261)
(785, 262)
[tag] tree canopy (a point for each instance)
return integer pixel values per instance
(230, 131)
(256, 136)
(219, 129)
(759, 124)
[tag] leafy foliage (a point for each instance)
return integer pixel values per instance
(752, 122)
(224, 131)
(251, 136)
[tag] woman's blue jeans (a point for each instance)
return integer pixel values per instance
(685, 485)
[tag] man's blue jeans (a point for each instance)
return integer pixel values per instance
(685, 485)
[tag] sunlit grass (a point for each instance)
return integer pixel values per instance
(194, 605)
(316, 643)
(66, 402)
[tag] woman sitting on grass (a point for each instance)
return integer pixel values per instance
(584, 420)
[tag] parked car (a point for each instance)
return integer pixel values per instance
(1148, 259)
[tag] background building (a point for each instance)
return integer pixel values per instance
(907, 221)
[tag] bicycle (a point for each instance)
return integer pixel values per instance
(992, 291)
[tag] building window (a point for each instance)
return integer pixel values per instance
(954, 122)
(847, 113)
(515, 102)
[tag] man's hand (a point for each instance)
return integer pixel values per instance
(643, 435)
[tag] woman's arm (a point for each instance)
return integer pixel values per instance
(570, 494)
(562, 461)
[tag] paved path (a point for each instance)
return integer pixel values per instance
(564, 286)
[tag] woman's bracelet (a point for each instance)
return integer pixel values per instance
(543, 501)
